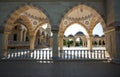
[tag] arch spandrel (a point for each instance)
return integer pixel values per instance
(30, 20)
(83, 14)
(35, 17)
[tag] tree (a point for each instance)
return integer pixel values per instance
(99, 42)
(81, 42)
(64, 42)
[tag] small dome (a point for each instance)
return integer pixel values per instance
(96, 35)
(103, 36)
(70, 35)
(79, 33)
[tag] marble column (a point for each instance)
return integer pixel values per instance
(6, 34)
(21, 35)
(55, 44)
(61, 42)
(89, 42)
(24, 36)
(32, 42)
(112, 36)
(1, 45)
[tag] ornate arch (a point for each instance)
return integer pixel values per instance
(75, 23)
(38, 27)
(74, 15)
(14, 16)
(17, 14)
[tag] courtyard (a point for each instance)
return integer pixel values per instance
(58, 69)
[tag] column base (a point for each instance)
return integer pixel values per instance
(55, 58)
(116, 61)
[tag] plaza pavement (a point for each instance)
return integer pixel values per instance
(58, 69)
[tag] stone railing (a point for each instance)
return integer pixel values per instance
(40, 54)
(83, 54)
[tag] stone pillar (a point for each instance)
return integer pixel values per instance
(61, 42)
(1, 45)
(55, 44)
(89, 42)
(32, 42)
(6, 34)
(24, 36)
(113, 43)
(21, 35)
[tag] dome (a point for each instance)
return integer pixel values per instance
(96, 35)
(79, 33)
(64, 36)
(70, 35)
(103, 36)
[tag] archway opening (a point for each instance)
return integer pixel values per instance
(22, 27)
(75, 36)
(98, 37)
(43, 36)
(18, 37)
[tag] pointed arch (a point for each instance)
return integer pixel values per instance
(17, 14)
(73, 15)
(38, 27)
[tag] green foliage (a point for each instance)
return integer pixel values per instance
(70, 42)
(81, 42)
(64, 42)
(99, 42)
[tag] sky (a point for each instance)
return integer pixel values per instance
(74, 28)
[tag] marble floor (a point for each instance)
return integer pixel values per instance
(59, 69)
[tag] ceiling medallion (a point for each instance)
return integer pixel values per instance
(87, 22)
(65, 22)
(34, 22)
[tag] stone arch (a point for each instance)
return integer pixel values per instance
(96, 18)
(20, 14)
(26, 23)
(73, 15)
(38, 27)
(17, 14)
(14, 16)
(76, 23)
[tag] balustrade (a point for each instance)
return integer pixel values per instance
(41, 54)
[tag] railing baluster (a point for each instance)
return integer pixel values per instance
(46, 55)
(39, 54)
(67, 54)
(35, 54)
(97, 54)
(84, 53)
(94, 54)
(91, 56)
(104, 54)
(87, 54)
(49, 54)
(77, 57)
(100, 54)
(64, 54)
(42, 54)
